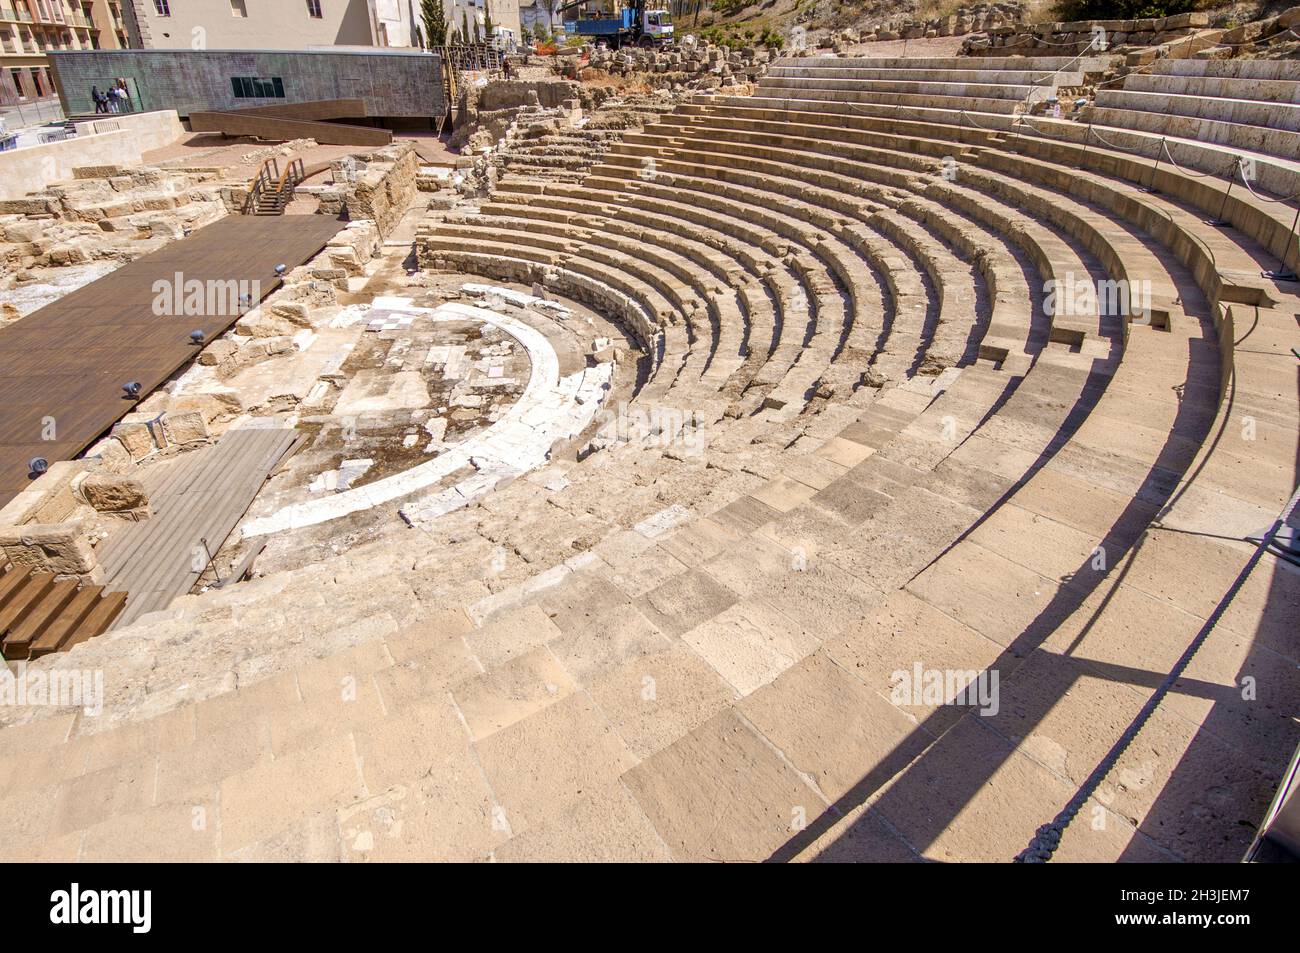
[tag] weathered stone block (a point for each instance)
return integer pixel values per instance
(293, 312)
(217, 352)
(185, 427)
(221, 405)
(60, 548)
(113, 457)
(96, 171)
(141, 434)
(113, 492)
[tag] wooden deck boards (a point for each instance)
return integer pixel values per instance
(203, 496)
(69, 360)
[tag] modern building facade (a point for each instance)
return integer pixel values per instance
(400, 88)
(273, 24)
(540, 17)
(30, 29)
(474, 13)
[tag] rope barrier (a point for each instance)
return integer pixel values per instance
(975, 122)
(1262, 197)
(1264, 42)
(1110, 145)
(1188, 172)
(1021, 119)
(1025, 121)
(1214, 262)
(1048, 837)
(1261, 42)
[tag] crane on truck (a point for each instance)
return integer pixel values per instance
(629, 21)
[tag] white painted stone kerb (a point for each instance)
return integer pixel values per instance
(550, 409)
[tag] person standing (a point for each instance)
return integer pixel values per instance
(100, 100)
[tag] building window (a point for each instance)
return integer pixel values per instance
(237, 8)
(162, 7)
(249, 87)
(313, 9)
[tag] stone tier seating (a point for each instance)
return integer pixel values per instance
(886, 435)
(1252, 107)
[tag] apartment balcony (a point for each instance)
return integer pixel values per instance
(14, 15)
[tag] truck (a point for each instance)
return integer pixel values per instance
(618, 22)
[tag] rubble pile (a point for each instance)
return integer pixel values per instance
(105, 216)
(563, 147)
(140, 209)
(554, 130)
(1275, 37)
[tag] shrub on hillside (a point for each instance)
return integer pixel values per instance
(1071, 11)
(726, 8)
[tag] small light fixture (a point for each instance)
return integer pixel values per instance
(279, 269)
(36, 466)
(131, 389)
(197, 337)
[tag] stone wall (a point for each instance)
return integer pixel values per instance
(516, 93)
(377, 185)
(104, 213)
(1067, 39)
(702, 66)
(972, 19)
(121, 143)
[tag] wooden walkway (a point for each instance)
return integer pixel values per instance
(201, 495)
(66, 363)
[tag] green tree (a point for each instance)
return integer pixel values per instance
(465, 31)
(488, 26)
(435, 22)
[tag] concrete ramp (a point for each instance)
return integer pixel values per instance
(295, 121)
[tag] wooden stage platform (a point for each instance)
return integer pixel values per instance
(67, 362)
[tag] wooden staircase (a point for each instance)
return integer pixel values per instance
(272, 190)
(39, 615)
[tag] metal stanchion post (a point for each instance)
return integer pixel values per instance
(1160, 154)
(1219, 221)
(1286, 273)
